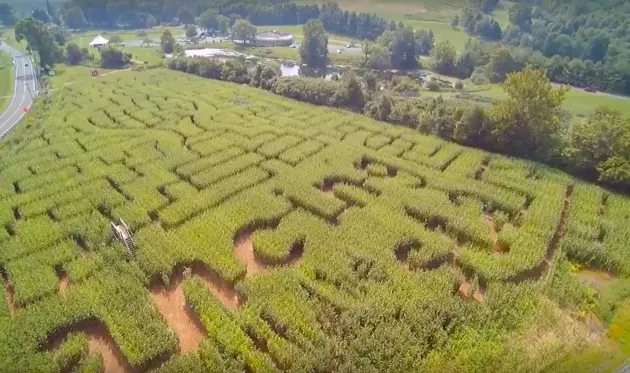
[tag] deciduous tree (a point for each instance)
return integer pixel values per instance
(598, 146)
(7, 15)
(444, 57)
(73, 18)
(39, 39)
(191, 31)
(209, 19)
(73, 54)
(402, 49)
(527, 123)
(112, 58)
(167, 41)
(314, 47)
(244, 31)
(115, 39)
(151, 21)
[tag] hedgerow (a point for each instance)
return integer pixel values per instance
(362, 277)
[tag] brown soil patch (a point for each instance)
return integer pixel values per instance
(220, 288)
(99, 342)
(464, 292)
(245, 253)
(178, 315)
(63, 283)
(8, 296)
(464, 289)
(479, 295)
(497, 247)
(596, 278)
(327, 189)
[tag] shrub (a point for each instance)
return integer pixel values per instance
(112, 58)
(432, 85)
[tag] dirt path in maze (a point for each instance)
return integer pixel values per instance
(180, 318)
(538, 271)
(63, 283)
(245, 253)
(8, 297)
(244, 249)
(497, 247)
(100, 342)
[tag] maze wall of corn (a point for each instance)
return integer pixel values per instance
(273, 235)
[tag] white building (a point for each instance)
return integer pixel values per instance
(98, 42)
(273, 38)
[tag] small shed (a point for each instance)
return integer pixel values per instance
(98, 42)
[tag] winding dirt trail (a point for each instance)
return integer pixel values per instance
(8, 296)
(245, 253)
(497, 247)
(180, 318)
(100, 342)
(220, 288)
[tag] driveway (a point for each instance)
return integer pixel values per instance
(24, 89)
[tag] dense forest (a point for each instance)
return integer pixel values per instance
(81, 14)
(583, 43)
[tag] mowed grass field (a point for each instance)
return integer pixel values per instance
(276, 236)
(6, 80)
(577, 101)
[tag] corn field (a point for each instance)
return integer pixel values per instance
(364, 232)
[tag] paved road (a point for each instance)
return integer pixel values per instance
(24, 89)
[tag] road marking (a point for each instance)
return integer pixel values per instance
(27, 95)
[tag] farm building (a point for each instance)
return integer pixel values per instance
(273, 39)
(98, 42)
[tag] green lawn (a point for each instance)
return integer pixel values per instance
(286, 53)
(6, 79)
(296, 30)
(84, 38)
(578, 102)
(66, 74)
(443, 31)
(151, 55)
(501, 13)
(401, 10)
(8, 36)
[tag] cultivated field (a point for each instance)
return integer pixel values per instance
(277, 236)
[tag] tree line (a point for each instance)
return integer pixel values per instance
(527, 124)
(80, 14)
(583, 43)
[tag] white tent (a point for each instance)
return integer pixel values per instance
(98, 41)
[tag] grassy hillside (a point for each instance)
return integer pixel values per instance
(272, 235)
(578, 102)
(6, 79)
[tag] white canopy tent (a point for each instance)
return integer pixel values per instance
(99, 41)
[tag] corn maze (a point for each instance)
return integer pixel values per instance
(286, 237)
